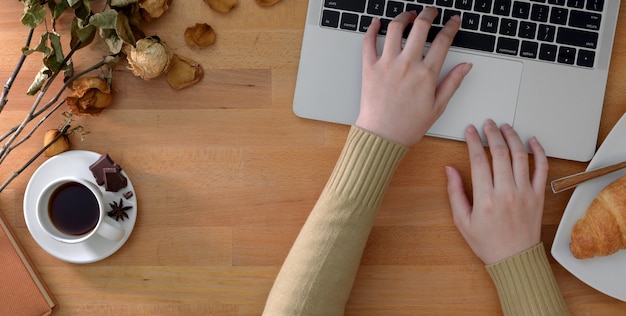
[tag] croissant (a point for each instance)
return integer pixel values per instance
(602, 230)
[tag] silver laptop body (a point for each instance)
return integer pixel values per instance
(559, 102)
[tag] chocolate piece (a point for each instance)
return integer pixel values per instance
(103, 162)
(128, 195)
(113, 179)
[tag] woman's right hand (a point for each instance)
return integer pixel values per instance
(505, 217)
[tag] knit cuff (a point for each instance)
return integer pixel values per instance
(526, 284)
(366, 166)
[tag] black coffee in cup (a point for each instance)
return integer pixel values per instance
(73, 209)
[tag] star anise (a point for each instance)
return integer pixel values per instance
(118, 211)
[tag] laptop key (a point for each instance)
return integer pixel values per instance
(463, 4)
(330, 18)
(576, 3)
(476, 41)
(585, 58)
(483, 6)
(365, 23)
(376, 7)
(349, 21)
(347, 5)
(521, 10)
(585, 20)
(558, 16)
(384, 24)
(470, 21)
(394, 8)
(539, 13)
(595, 5)
(547, 52)
(502, 7)
(566, 55)
(469, 40)
(546, 33)
(414, 7)
(489, 24)
(445, 3)
(447, 14)
(527, 30)
(508, 27)
(529, 49)
(577, 38)
(507, 46)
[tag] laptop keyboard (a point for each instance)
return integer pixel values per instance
(560, 31)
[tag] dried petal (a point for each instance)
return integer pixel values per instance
(184, 73)
(60, 145)
(154, 8)
(223, 6)
(200, 35)
(91, 95)
(267, 3)
(149, 58)
(84, 84)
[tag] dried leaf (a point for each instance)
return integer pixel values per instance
(82, 8)
(223, 6)
(57, 8)
(57, 48)
(200, 35)
(83, 34)
(267, 3)
(123, 30)
(184, 72)
(34, 14)
(42, 47)
(41, 77)
(114, 42)
(104, 20)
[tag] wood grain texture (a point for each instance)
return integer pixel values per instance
(225, 175)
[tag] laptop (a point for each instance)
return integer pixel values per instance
(539, 65)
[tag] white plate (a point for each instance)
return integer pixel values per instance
(75, 163)
(606, 274)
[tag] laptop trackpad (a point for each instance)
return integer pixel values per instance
(490, 90)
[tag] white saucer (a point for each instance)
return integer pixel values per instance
(606, 274)
(75, 163)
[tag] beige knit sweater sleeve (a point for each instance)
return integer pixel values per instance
(526, 284)
(318, 273)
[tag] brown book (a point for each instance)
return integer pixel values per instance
(22, 291)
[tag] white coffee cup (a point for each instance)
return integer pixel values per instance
(72, 210)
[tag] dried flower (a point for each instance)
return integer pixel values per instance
(90, 96)
(223, 6)
(118, 211)
(60, 145)
(184, 72)
(153, 9)
(149, 58)
(201, 35)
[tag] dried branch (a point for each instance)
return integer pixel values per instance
(7, 86)
(30, 161)
(29, 117)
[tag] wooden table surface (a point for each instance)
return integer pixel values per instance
(225, 175)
